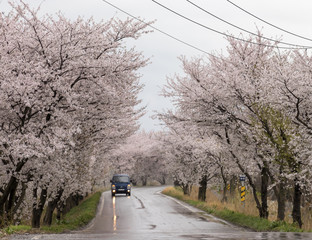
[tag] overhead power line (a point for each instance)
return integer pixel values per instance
(221, 33)
(251, 33)
(272, 25)
(158, 30)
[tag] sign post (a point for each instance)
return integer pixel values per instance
(242, 179)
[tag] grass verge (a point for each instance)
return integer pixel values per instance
(252, 222)
(76, 218)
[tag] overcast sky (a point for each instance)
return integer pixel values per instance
(290, 15)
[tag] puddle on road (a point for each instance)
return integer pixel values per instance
(250, 235)
(115, 216)
(200, 216)
(140, 201)
(198, 236)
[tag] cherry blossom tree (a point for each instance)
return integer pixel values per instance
(249, 99)
(65, 87)
(192, 153)
(143, 157)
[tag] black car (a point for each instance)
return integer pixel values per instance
(121, 183)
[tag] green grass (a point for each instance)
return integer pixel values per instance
(76, 218)
(254, 223)
(17, 229)
(174, 192)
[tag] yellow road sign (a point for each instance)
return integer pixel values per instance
(243, 193)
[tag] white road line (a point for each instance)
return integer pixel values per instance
(102, 204)
(188, 207)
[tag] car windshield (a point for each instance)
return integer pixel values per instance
(121, 179)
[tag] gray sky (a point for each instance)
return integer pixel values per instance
(293, 16)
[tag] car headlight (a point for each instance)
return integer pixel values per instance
(113, 186)
(129, 186)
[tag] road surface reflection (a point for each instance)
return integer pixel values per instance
(114, 214)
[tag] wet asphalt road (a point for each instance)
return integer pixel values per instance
(148, 214)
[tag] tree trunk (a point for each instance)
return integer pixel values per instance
(224, 179)
(71, 201)
(9, 188)
(296, 212)
(202, 189)
(163, 180)
(21, 198)
(186, 188)
(232, 186)
(59, 213)
(224, 196)
(280, 193)
(251, 183)
(38, 208)
(47, 220)
(9, 208)
(4, 204)
(264, 213)
(35, 221)
(281, 202)
(176, 183)
(144, 181)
